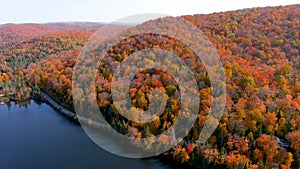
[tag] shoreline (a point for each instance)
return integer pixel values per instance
(97, 125)
(47, 99)
(94, 124)
(71, 115)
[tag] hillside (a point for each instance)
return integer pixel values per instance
(23, 44)
(12, 34)
(259, 49)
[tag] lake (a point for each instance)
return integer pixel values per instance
(34, 136)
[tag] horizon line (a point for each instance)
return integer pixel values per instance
(115, 21)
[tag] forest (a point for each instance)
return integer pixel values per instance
(259, 49)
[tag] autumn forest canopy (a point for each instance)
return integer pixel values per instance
(259, 49)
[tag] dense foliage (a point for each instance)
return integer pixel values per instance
(23, 44)
(259, 48)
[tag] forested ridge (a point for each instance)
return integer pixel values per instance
(259, 48)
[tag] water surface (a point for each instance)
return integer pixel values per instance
(34, 136)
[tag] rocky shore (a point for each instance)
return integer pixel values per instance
(57, 107)
(69, 114)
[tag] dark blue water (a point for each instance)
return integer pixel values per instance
(37, 137)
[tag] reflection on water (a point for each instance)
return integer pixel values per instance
(22, 103)
(34, 136)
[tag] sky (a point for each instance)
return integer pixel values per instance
(44, 11)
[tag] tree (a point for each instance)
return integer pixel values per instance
(269, 146)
